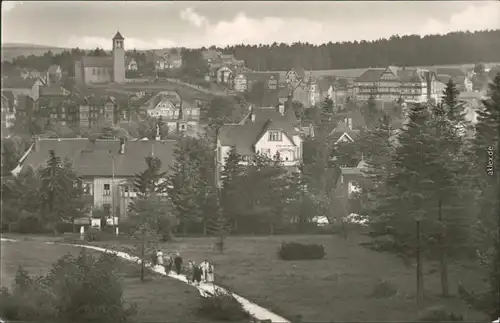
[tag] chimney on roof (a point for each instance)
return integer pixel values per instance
(281, 109)
(348, 122)
(36, 143)
(122, 146)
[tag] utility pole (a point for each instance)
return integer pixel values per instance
(113, 192)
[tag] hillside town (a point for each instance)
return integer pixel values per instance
(153, 146)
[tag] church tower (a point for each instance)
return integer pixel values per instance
(118, 59)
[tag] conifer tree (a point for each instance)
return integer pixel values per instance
(487, 237)
(184, 189)
(231, 177)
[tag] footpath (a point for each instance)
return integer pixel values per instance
(205, 290)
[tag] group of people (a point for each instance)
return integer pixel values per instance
(195, 273)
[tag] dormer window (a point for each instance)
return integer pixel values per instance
(275, 136)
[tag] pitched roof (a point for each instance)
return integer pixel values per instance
(97, 61)
(18, 83)
(301, 73)
(261, 76)
(53, 90)
(371, 75)
(95, 158)
(118, 36)
(454, 72)
(443, 78)
(324, 84)
(244, 136)
(410, 75)
(53, 69)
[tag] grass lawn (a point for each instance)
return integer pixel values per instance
(160, 299)
(336, 288)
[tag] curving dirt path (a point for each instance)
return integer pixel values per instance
(253, 309)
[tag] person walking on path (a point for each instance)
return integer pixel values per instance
(159, 258)
(169, 262)
(210, 273)
(178, 263)
(204, 269)
(196, 274)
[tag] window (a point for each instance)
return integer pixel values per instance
(274, 136)
(266, 152)
(107, 190)
(94, 71)
(107, 209)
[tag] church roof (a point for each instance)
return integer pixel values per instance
(97, 61)
(118, 36)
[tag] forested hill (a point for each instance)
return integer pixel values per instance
(452, 48)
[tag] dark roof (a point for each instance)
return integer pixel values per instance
(301, 73)
(454, 72)
(443, 78)
(118, 36)
(95, 158)
(410, 75)
(270, 99)
(53, 69)
(371, 75)
(53, 90)
(244, 136)
(18, 83)
(97, 61)
(261, 76)
(324, 84)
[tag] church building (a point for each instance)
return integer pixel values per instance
(103, 69)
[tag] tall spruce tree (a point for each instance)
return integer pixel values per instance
(487, 148)
(231, 177)
(58, 191)
(449, 167)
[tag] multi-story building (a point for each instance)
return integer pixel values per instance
(267, 131)
(106, 167)
(77, 109)
(17, 85)
(9, 105)
(394, 83)
(177, 114)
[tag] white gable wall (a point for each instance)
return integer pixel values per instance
(285, 147)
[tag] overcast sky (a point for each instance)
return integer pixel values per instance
(87, 24)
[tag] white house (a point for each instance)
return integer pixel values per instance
(224, 74)
(267, 131)
(131, 65)
(177, 114)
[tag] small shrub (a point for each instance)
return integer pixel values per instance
(299, 251)
(384, 289)
(222, 307)
(77, 289)
(439, 314)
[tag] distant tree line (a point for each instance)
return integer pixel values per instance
(413, 50)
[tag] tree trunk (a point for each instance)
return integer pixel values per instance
(143, 260)
(271, 228)
(420, 276)
(443, 265)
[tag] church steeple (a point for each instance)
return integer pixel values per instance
(118, 58)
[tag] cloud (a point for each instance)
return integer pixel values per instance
(192, 17)
(478, 16)
(106, 43)
(242, 28)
